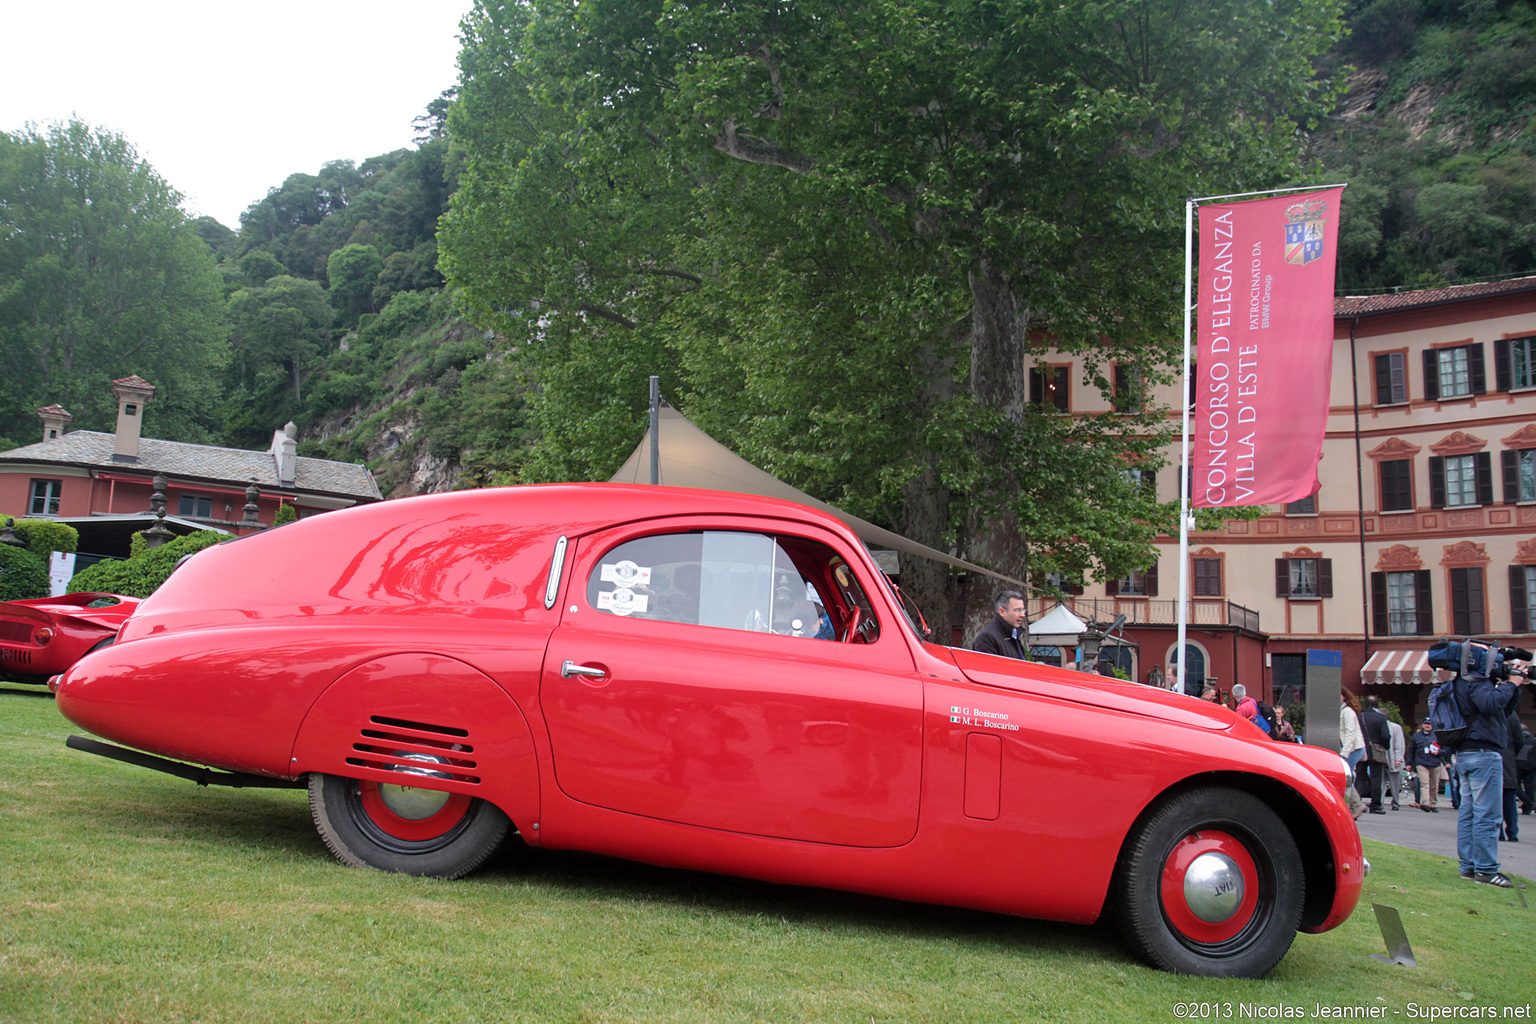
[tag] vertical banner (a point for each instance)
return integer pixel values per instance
(1265, 347)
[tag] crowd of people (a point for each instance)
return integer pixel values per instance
(1489, 777)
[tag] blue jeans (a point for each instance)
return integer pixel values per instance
(1481, 774)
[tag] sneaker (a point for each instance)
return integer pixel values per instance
(1498, 878)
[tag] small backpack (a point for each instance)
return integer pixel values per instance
(1267, 713)
(1445, 716)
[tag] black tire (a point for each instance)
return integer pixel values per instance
(1211, 884)
(358, 825)
(106, 641)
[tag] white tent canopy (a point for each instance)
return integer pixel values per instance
(1058, 627)
(691, 458)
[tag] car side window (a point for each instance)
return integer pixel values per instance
(728, 580)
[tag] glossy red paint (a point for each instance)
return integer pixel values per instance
(630, 708)
(43, 637)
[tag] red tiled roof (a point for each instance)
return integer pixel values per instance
(1362, 305)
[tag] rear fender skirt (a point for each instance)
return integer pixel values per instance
(427, 721)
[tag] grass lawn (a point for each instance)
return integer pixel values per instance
(127, 895)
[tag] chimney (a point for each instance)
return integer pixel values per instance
(132, 394)
(56, 420)
(285, 452)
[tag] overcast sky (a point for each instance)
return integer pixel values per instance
(226, 100)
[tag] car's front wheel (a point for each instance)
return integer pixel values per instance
(408, 829)
(1212, 884)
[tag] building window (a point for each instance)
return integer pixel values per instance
(45, 497)
(1391, 379)
(1522, 587)
(1402, 608)
(1396, 485)
(1461, 480)
(195, 505)
(1401, 604)
(1519, 475)
(1454, 372)
(1514, 361)
(1305, 507)
(1064, 584)
(1467, 617)
(1207, 577)
(1050, 386)
(1136, 584)
(1127, 389)
(1146, 479)
(1303, 578)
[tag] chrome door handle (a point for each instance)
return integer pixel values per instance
(569, 668)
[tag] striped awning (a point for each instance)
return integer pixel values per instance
(1397, 668)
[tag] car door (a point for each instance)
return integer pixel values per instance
(700, 675)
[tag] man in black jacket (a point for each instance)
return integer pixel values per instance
(1373, 726)
(1001, 635)
(1485, 705)
(1427, 763)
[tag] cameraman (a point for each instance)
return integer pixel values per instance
(1480, 767)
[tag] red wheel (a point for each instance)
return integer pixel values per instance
(412, 829)
(1211, 884)
(1210, 887)
(411, 813)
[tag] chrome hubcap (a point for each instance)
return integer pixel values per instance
(411, 802)
(1213, 887)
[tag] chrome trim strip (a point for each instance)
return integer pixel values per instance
(556, 564)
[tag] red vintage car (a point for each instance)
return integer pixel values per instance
(716, 682)
(43, 637)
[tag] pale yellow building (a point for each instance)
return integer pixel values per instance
(1424, 524)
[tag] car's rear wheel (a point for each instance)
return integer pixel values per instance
(409, 829)
(1211, 884)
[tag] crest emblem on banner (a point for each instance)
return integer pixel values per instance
(1304, 231)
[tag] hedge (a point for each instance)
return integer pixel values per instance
(45, 535)
(141, 575)
(23, 575)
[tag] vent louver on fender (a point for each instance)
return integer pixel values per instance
(415, 748)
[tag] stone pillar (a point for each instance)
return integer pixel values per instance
(158, 534)
(252, 510)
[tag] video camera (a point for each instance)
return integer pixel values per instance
(1475, 658)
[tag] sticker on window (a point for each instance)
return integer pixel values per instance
(622, 601)
(626, 574)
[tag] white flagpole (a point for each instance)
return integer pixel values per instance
(1183, 612)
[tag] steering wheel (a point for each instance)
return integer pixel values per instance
(855, 620)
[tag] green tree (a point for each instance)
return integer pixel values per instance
(353, 270)
(259, 266)
(283, 324)
(848, 232)
(101, 276)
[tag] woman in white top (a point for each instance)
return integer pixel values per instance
(1351, 741)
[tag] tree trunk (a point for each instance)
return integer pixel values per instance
(999, 381)
(925, 511)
